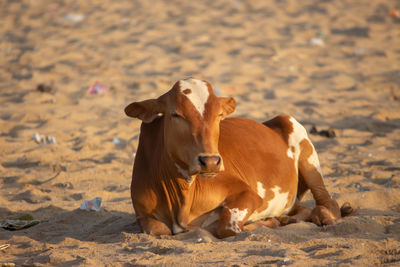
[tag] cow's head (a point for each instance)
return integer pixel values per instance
(192, 114)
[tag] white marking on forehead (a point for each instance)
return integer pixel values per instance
(237, 216)
(199, 93)
(260, 190)
(276, 206)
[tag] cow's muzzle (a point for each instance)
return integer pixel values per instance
(210, 165)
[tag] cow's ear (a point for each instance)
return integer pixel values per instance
(146, 110)
(228, 105)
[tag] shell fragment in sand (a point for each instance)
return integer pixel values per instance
(43, 139)
(4, 246)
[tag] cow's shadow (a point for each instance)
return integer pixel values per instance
(103, 226)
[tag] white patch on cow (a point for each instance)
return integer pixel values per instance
(299, 133)
(289, 208)
(295, 138)
(290, 152)
(276, 206)
(314, 161)
(237, 216)
(212, 218)
(199, 93)
(260, 190)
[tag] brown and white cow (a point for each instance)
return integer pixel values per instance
(196, 168)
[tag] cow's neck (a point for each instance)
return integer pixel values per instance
(178, 193)
(171, 175)
(178, 190)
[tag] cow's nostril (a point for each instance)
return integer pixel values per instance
(202, 161)
(218, 160)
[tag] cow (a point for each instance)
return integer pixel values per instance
(196, 168)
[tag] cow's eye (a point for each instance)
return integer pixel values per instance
(175, 115)
(221, 114)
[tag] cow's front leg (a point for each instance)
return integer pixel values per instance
(153, 226)
(235, 212)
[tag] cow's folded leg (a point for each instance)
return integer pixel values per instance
(153, 227)
(298, 214)
(235, 212)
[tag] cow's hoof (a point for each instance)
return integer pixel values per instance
(322, 216)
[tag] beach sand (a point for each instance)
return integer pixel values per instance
(262, 53)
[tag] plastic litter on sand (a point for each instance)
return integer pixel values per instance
(394, 14)
(97, 89)
(360, 187)
(317, 42)
(93, 204)
(75, 18)
(116, 141)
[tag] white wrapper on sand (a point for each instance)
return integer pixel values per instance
(93, 204)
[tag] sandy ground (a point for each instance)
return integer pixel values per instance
(259, 52)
